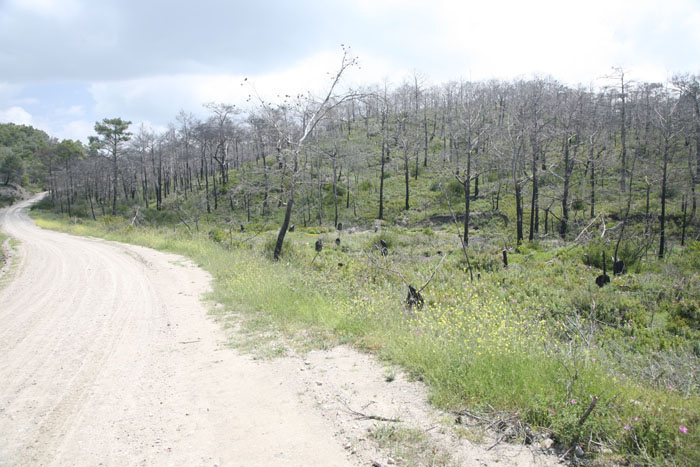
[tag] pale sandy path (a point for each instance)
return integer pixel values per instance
(107, 358)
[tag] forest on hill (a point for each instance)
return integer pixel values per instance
(557, 157)
(20, 146)
(524, 247)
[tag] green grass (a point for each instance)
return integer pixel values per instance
(525, 340)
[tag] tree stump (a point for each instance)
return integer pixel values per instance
(619, 267)
(603, 278)
(414, 298)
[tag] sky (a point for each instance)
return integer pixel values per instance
(65, 64)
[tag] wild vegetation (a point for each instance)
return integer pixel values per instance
(458, 230)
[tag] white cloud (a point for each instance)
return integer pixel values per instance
(16, 115)
(7, 92)
(160, 98)
(75, 130)
(54, 9)
(72, 111)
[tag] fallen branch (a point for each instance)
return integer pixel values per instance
(433, 274)
(588, 411)
(580, 423)
(498, 441)
(135, 215)
(362, 416)
(585, 229)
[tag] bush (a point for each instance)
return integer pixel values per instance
(596, 249)
(578, 205)
(216, 235)
(391, 239)
(454, 188)
(685, 311)
(365, 185)
(484, 262)
(110, 222)
(289, 250)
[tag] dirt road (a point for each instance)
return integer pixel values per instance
(107, 358)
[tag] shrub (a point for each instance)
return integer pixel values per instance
(454, 188)
(595, 251)
(365, 185)
(484, 262)
(289, 250)
(216, 235)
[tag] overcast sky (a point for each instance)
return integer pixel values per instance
(65, 64)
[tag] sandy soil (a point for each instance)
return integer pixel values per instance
(107, 357)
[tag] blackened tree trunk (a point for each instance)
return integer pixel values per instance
(534, 204)
(568, 169)
(288, 210)
(664, 178)
(406, 177)
(519, 211)
(385, 156)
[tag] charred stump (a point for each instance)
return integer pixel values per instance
(384, 248)
(337, 241)
(414, 298)
(619, 267)
(319, 245)
(603, 278)
(505, 258)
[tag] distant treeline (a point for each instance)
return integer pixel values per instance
(544, 148)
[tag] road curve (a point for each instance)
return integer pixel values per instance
(107, 358)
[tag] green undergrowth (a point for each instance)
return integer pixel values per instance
(538, 339)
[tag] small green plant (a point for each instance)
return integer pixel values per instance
(216, 235)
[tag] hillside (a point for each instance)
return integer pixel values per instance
(21, 149)
(469, 232)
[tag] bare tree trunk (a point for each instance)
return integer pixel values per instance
(115, 175)
(623, 134)
(592, 182)
(662, 233)
(534, 210)
(335, 192)
(519, 211)
(568, 166)
(406, 178)
(287, 212)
